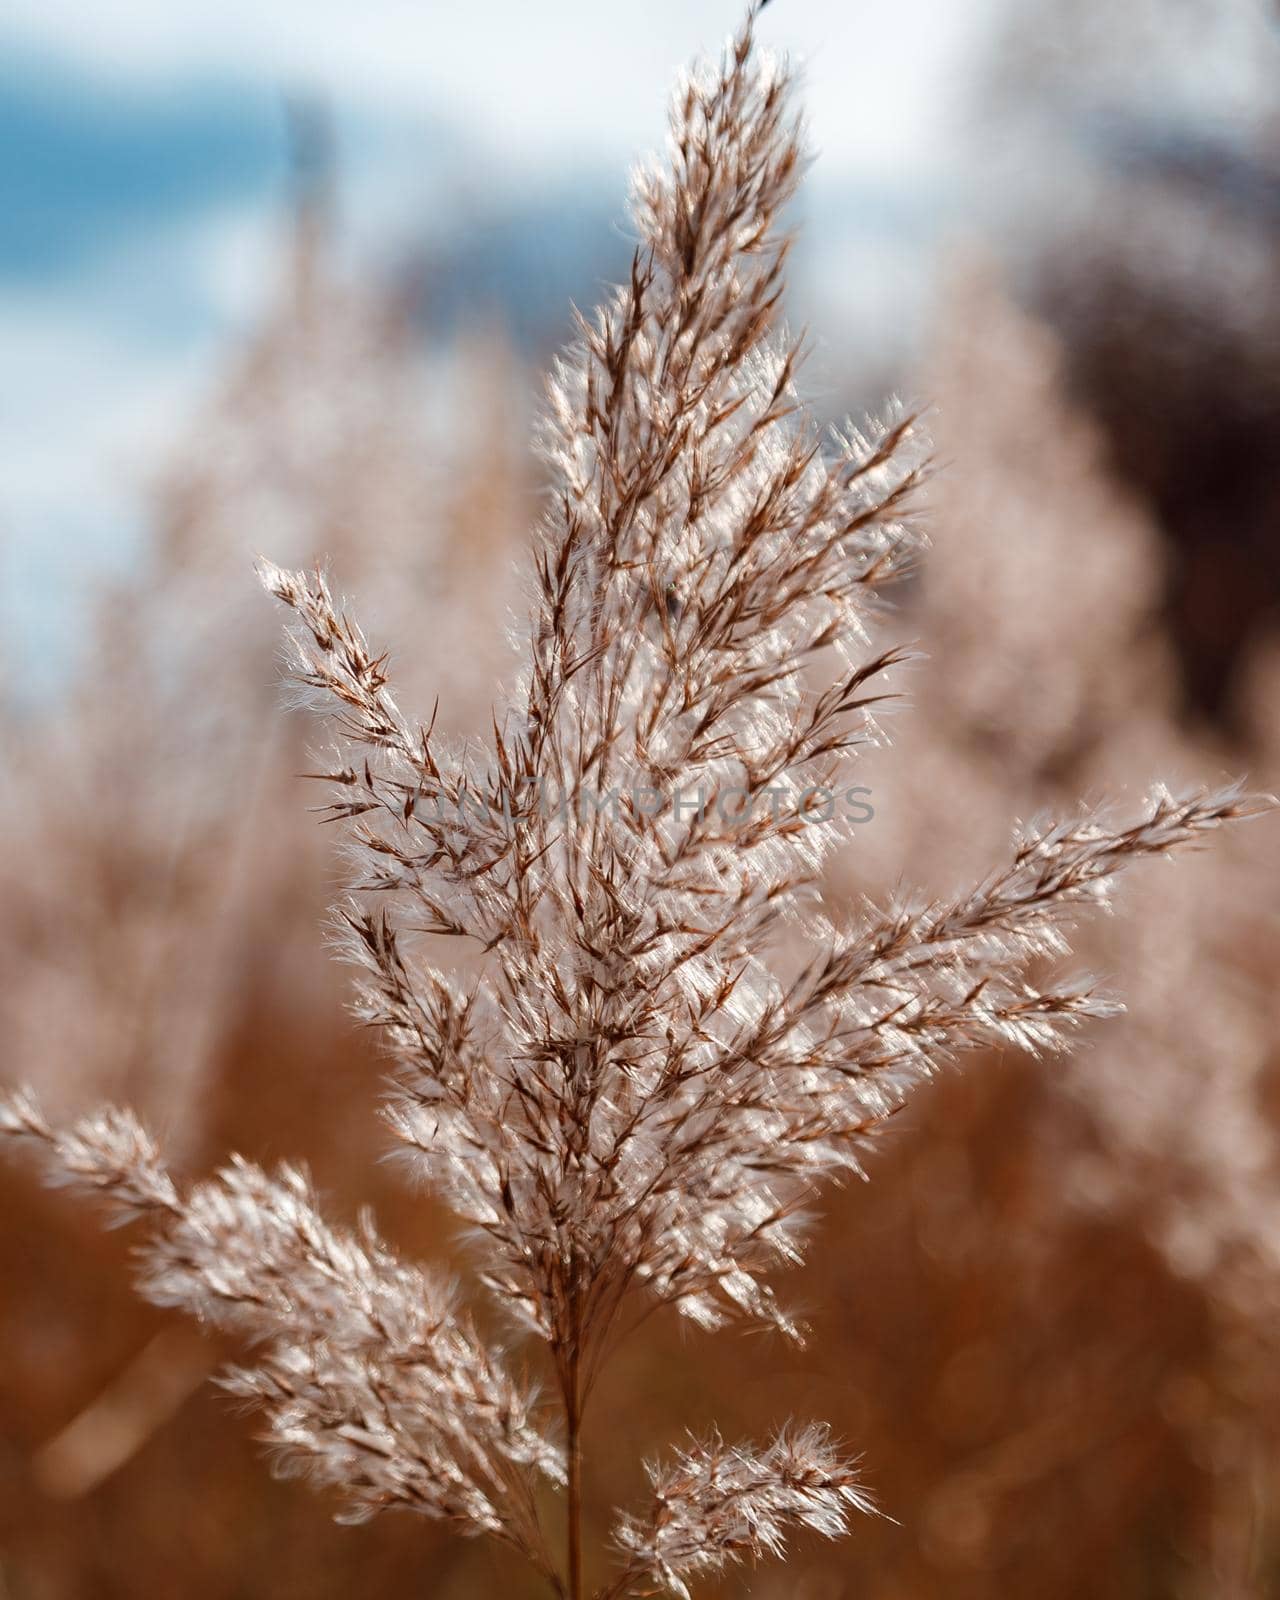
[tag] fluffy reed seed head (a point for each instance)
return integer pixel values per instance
(631, 1096)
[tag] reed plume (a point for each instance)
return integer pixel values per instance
(636, 1094)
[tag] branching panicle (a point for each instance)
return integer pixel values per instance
(370, 1377)
(716, 1504)
(628, 1098)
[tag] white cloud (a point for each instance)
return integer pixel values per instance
(537, 80)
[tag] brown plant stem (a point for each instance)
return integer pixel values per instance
(575, 1503)
(573, 1430)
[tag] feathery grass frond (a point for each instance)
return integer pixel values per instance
(628, 1096)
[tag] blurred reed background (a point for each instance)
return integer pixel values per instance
(316, 331)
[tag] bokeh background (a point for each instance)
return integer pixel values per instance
(283, 279)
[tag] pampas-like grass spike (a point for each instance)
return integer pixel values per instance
(630, 1099)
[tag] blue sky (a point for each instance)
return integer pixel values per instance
(143, 169)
